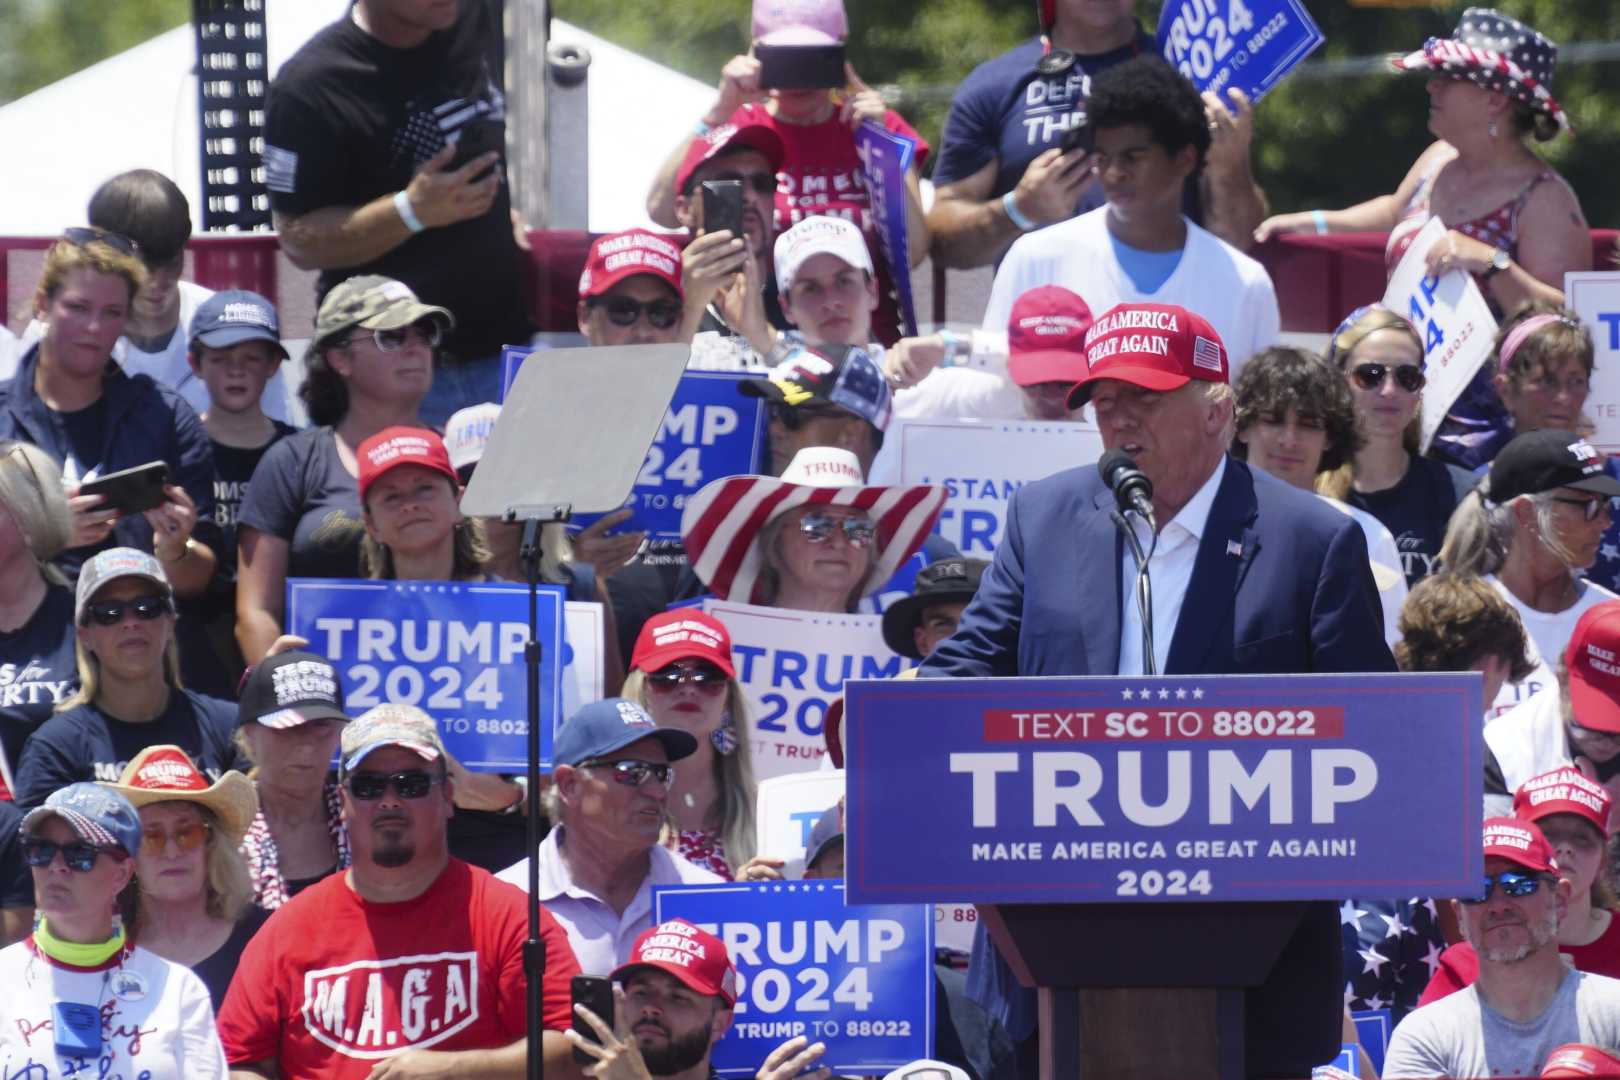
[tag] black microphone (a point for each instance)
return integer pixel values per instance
(1131, 487)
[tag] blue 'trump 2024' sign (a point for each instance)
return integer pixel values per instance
(1248, 45)
(1176, 788)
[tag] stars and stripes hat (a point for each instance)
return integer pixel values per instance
(1155, 346)
(1563, 791)
(1500, 54)
(817, 375)
(721, 523)
(696, 958)
(99, 815)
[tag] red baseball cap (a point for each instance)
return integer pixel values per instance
(1519, 842)
(1593, 659)
(753, 136)
(682, 634)
(698, 959)
(1046, 336)
(395, 446)
(1154, 346)
(621, 255)
(1563, 791)
(1580, 1059)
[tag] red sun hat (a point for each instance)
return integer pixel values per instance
(1046, 336)
(1593, 660)
(621, 255)
(1563, 791)
(712, 142)
(682, 634)
(1519, 842)
(1155, 346)
(697, 958)
(395, 446)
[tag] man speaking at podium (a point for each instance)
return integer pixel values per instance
(1249, 576)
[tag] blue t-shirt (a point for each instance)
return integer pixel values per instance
(1148, 270)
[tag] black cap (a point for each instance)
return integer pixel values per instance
(943, 582)
(842, 375)
(290, 689)
(1539, 461)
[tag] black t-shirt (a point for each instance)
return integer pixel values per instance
(216, 970)
(301, 493)
(16, 883)
(37, 671)
(233, 468)
(349, 119)
(85, 743)
(1416, 511)
(86, 432)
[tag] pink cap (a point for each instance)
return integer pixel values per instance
(1593, 659)
(1519, 842)
(621, 255)
(682, 634)
(1154, 346)
(753, 136)
(1046, 337)
(800, 22)
(395, 446)
(1563, 791)
(697, 958)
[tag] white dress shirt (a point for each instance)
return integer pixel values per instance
(1171, 568)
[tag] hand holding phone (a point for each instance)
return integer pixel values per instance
(131, 491)
(800, 67)
(596, 994)
(479, 137)
(723, 207)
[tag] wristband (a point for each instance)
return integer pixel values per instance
(703, 128)
(1319, 219)
(402, 207)
(1015, 215)
(955, 347)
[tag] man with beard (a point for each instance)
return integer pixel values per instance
(1526, 1002)
(678, 991)
(358, 974)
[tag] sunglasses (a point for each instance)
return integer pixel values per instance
(703, 676)
(1513, 884)
(78, 856)
(80, 236)
(817, 528)
(623, 311)
(1590, 508)
(762, 183)
(1408, 377)
(188, 837)
(633, 773)
(111, 612)
(394, 340)
(410, 784)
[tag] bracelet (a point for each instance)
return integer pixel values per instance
(402, 207)
(184, 551)
(955, 347)
(703, 128)
(1015, 215)
(1319, 219)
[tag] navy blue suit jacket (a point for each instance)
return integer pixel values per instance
(1280, 585)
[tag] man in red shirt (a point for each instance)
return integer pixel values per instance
(410, 955)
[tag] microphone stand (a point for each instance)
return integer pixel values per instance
(1144, 582)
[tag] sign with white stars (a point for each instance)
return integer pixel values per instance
(1170, 789)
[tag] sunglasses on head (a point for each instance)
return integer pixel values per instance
(702, 676)
(818, 528)
(394, 340)
(623, 311)
(79, 236)
(1408, 377)
(1590, 508)
(78, 856)
(632, 773)
(188, 837)
(111, 612)
(410, 784)
(1513, 884)
(762, 183)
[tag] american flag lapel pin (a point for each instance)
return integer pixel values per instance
(1234, 549)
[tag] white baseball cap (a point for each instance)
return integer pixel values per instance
(819, 235)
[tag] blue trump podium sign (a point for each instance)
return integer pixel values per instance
(860, 979)
(1176, 788)
(455, 650)
(1248, 45)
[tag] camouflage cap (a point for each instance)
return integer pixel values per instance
(373, 302)
(389, 725)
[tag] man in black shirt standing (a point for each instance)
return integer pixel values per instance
(366, 175)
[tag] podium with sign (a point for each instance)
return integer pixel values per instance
(1147, 851)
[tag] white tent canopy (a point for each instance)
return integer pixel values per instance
(139, 110)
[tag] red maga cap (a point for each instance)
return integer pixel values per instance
(1563, 791)
(1593, 659)
(1154, 346)
(1519, 842)
(697, 959)
(1580, 1059)
(682, 634)
(625, 254)
(1046, 336)
(753, 136)
(395, 446)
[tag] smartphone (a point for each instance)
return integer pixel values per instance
(800, 67)
(479, 137)
(131, 491)
(723, 206)
(1082, 136)
(596, 994)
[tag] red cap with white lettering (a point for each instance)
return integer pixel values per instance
(1046, 336)
(1593, 659)
(682, 634)
(621, 255)
(698, 959)
(1519, 842)
(1563, 791)
(1155, 346)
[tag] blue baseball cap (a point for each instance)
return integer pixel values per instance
(829, 830)
(234, 316)
(99, 815)
(613, 724)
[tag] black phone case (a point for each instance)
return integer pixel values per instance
(800, 67)
(596, 994)
(131, 491)
(723, 206)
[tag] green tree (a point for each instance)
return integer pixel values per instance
(42, 41)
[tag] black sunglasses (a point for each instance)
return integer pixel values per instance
(1590, 508)
(1408, 377)
(79, 236)
(411, 784)
(632, 773)
(818, 528)
(623, 311)
(1513, 884)
(762, 183)
(78, 855)
(702, 676)
(111, 612)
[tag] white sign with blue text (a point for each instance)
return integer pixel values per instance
(1595, 296)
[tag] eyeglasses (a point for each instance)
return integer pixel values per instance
(394, 340)
(146, 608)
(762, 183)
(632, 773)
(1590, 508)
(623, 311)
(188, 837)
(817, 528)
(705, 677)
(1408, 377)
(78, 855)
(80, 236)
(1513, 884)
(410, 784)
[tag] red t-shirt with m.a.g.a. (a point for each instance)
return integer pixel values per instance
(333, 983)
